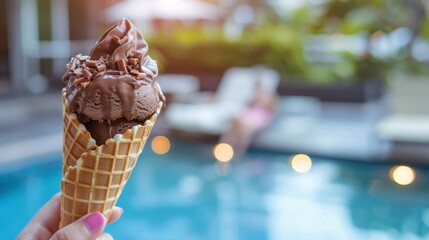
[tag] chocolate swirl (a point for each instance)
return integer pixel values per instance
(108, 45)
(117, 80)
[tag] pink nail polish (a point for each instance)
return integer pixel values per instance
(121, 210)
(94, 221)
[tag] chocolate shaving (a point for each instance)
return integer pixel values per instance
(101, 67)
(141, 76)
(85, 69)
(87, 74)
(78, 81)
(84, 84)
(133, 61)
(91, 63)
(93, 71)
(134, 72)
(122, 65)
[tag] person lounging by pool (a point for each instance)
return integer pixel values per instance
(45, 224)
(257, 116)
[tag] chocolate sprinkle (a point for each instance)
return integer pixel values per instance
(85, 84)
(78, 81)
(85, 69)
(141, 76)
(101, 67)
(134, 72)
(87, 74)
(122, 65)
(133, 61)
(91, 63)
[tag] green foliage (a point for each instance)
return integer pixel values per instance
(190, 51)
(282, 45)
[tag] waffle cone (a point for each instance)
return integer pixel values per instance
(94, 176)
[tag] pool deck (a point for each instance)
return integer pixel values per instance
(32, 126)
(331, 129)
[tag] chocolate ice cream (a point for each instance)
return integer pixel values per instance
(115, 87)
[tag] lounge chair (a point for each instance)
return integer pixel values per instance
(408, 120)
(234, 92)
(406, 127)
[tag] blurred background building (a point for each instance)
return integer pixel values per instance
(351, 76)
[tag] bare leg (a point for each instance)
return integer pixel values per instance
(239, 136)
(245, 138)
(232, 135)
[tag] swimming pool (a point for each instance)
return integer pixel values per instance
(185, 194)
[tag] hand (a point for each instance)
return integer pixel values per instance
(45, 224)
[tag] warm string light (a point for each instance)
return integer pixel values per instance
(402, 175)
(301, 163)
(160, 145)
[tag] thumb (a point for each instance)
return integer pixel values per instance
(88, 227)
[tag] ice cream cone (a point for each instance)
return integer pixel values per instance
(94, 176)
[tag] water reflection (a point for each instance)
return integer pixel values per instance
(222, 168)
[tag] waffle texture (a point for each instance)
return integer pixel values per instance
(94, 176)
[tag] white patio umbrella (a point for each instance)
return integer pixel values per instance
(163, 9)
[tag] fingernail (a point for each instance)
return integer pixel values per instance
(94, 221)
(121, 210)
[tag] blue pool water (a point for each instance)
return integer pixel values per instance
(185, 194)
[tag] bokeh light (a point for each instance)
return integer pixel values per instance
(402, 175)
(301, 163)
(223, 152)
(160, 145)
